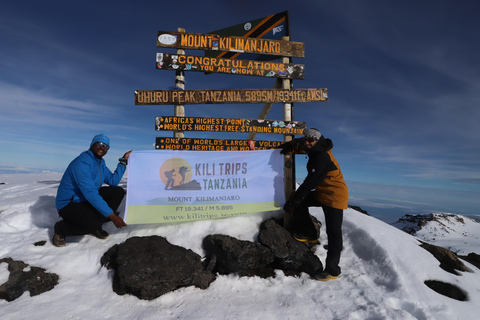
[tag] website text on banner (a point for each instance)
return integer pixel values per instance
(176, 186)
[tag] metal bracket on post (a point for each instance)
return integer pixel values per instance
(265, 110)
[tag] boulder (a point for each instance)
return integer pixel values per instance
(148, 267)
(230, 255)
(289, 254)
(35, 280)
(446, 289)
(448, 260)
(473, 258)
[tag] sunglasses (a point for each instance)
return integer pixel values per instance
(309, 139)
(102, 145)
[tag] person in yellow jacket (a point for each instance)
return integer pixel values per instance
(323, 187)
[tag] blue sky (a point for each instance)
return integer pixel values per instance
(403, 80)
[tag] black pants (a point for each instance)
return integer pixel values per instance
(302, 225)
(82, 218)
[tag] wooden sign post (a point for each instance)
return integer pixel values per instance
(167, 61)
(229, 125)
(215, 42)
(289, 159)
(201, 144)
(169, 97)
(251, 44)
(179, 83)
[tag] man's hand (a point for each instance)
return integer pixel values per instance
(288, 147)
(126, 155)
(117, 221)
(290, 206)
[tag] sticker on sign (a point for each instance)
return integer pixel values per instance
(167, 39)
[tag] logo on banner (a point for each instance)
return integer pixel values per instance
(176, 174)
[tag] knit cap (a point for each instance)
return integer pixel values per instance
(100, 138)
(312, 133)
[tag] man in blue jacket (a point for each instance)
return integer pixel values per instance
(82, 202)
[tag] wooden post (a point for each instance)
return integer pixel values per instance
(179, 110)
(265, 110)
(289, 159)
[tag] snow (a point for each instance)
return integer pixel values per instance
(455, 232)
(383, 270)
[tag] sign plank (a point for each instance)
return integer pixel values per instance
(229, 125)
(169, 61)
(183, 97)
(169, 39)
(201, 144)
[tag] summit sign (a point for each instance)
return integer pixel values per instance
(230, 44)
(220, 96)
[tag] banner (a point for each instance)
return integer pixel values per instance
(167, 186)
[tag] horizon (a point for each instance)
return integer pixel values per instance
(402, 81)
(387, 208)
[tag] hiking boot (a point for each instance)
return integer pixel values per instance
(324, 276)
(58, 240)
(100, 234)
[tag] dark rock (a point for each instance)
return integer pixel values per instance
(415, 222)
(276, 249)
(290, 254)
(446, 289)
(148, 267)
(317, 224)
(473, 258)
(36, 280)
(231, 255)
(40, 243)
(448, 260)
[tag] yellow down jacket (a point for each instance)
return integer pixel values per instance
(324, 177)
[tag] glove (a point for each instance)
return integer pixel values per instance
(290, 206)
(288, 147)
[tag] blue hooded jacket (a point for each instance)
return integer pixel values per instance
(82, 180)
